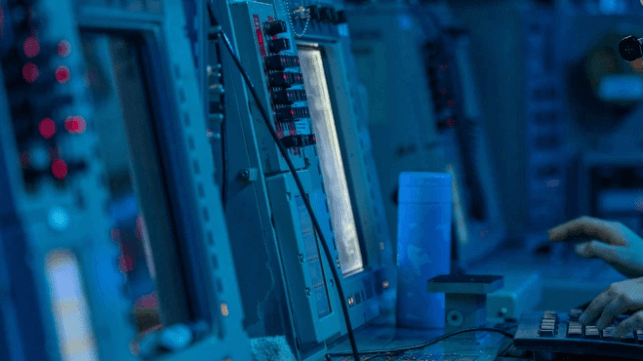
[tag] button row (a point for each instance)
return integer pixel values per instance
(548, 324)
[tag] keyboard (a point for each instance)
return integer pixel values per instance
(559, 332)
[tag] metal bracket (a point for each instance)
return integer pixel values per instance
(466, 298)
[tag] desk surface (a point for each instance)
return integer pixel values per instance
(481, 346)
(581, 279)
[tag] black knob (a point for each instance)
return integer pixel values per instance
(289, 114)
(285, 79)
(630, 48)
(274, 27)
(313, 12)
(288, 96)
(327, 15)
(277, 45)
(294, 141)
(276, 62)
(281, 62)
(341, 17)
(281, 79)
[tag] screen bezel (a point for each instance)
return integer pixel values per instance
(181, 301)
(332, 83)
(335, 114)
(369, 292)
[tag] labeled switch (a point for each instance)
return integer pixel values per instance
(277, 45)
(272, 28)
(290, 114)
(285, 79)
(295, 141)
(288, 96)
(281, 62)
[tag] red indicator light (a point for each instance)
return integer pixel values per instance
(31, 47)
(451, 103)
(443, 91)
(443, 67)
(147, 301)
(451, 122)
(62, 74)
(25, 160)
(59, 169)
(125, 263)
(75, 125)
(47, 128)
(64, 48)
(30, 72)
(292, 112)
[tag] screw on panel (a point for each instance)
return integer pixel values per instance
(338, 264)
(307, 292)
(301, 258)
(213, 33)
(331, 282)
(249, 175)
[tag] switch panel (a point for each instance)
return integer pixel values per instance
(278, 45)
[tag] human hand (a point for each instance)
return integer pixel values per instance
(610, 241)
(618, 298)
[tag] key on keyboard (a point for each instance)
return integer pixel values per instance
(561, 332)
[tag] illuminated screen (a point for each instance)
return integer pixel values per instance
(69, 304)
(127, 145)
(330, 156)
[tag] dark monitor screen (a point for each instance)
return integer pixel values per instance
(330, 157)
(124, 122)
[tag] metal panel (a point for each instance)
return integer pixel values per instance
(401, 120)
(72, 215)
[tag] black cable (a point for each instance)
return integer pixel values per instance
(426, 344)
(300, 186)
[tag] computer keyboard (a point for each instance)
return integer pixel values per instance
(560, 332)
(410, 356)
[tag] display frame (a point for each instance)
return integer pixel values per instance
(369, 292)
(195, 200)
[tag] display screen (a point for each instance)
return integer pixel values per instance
(127, 145)
(330, 156)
